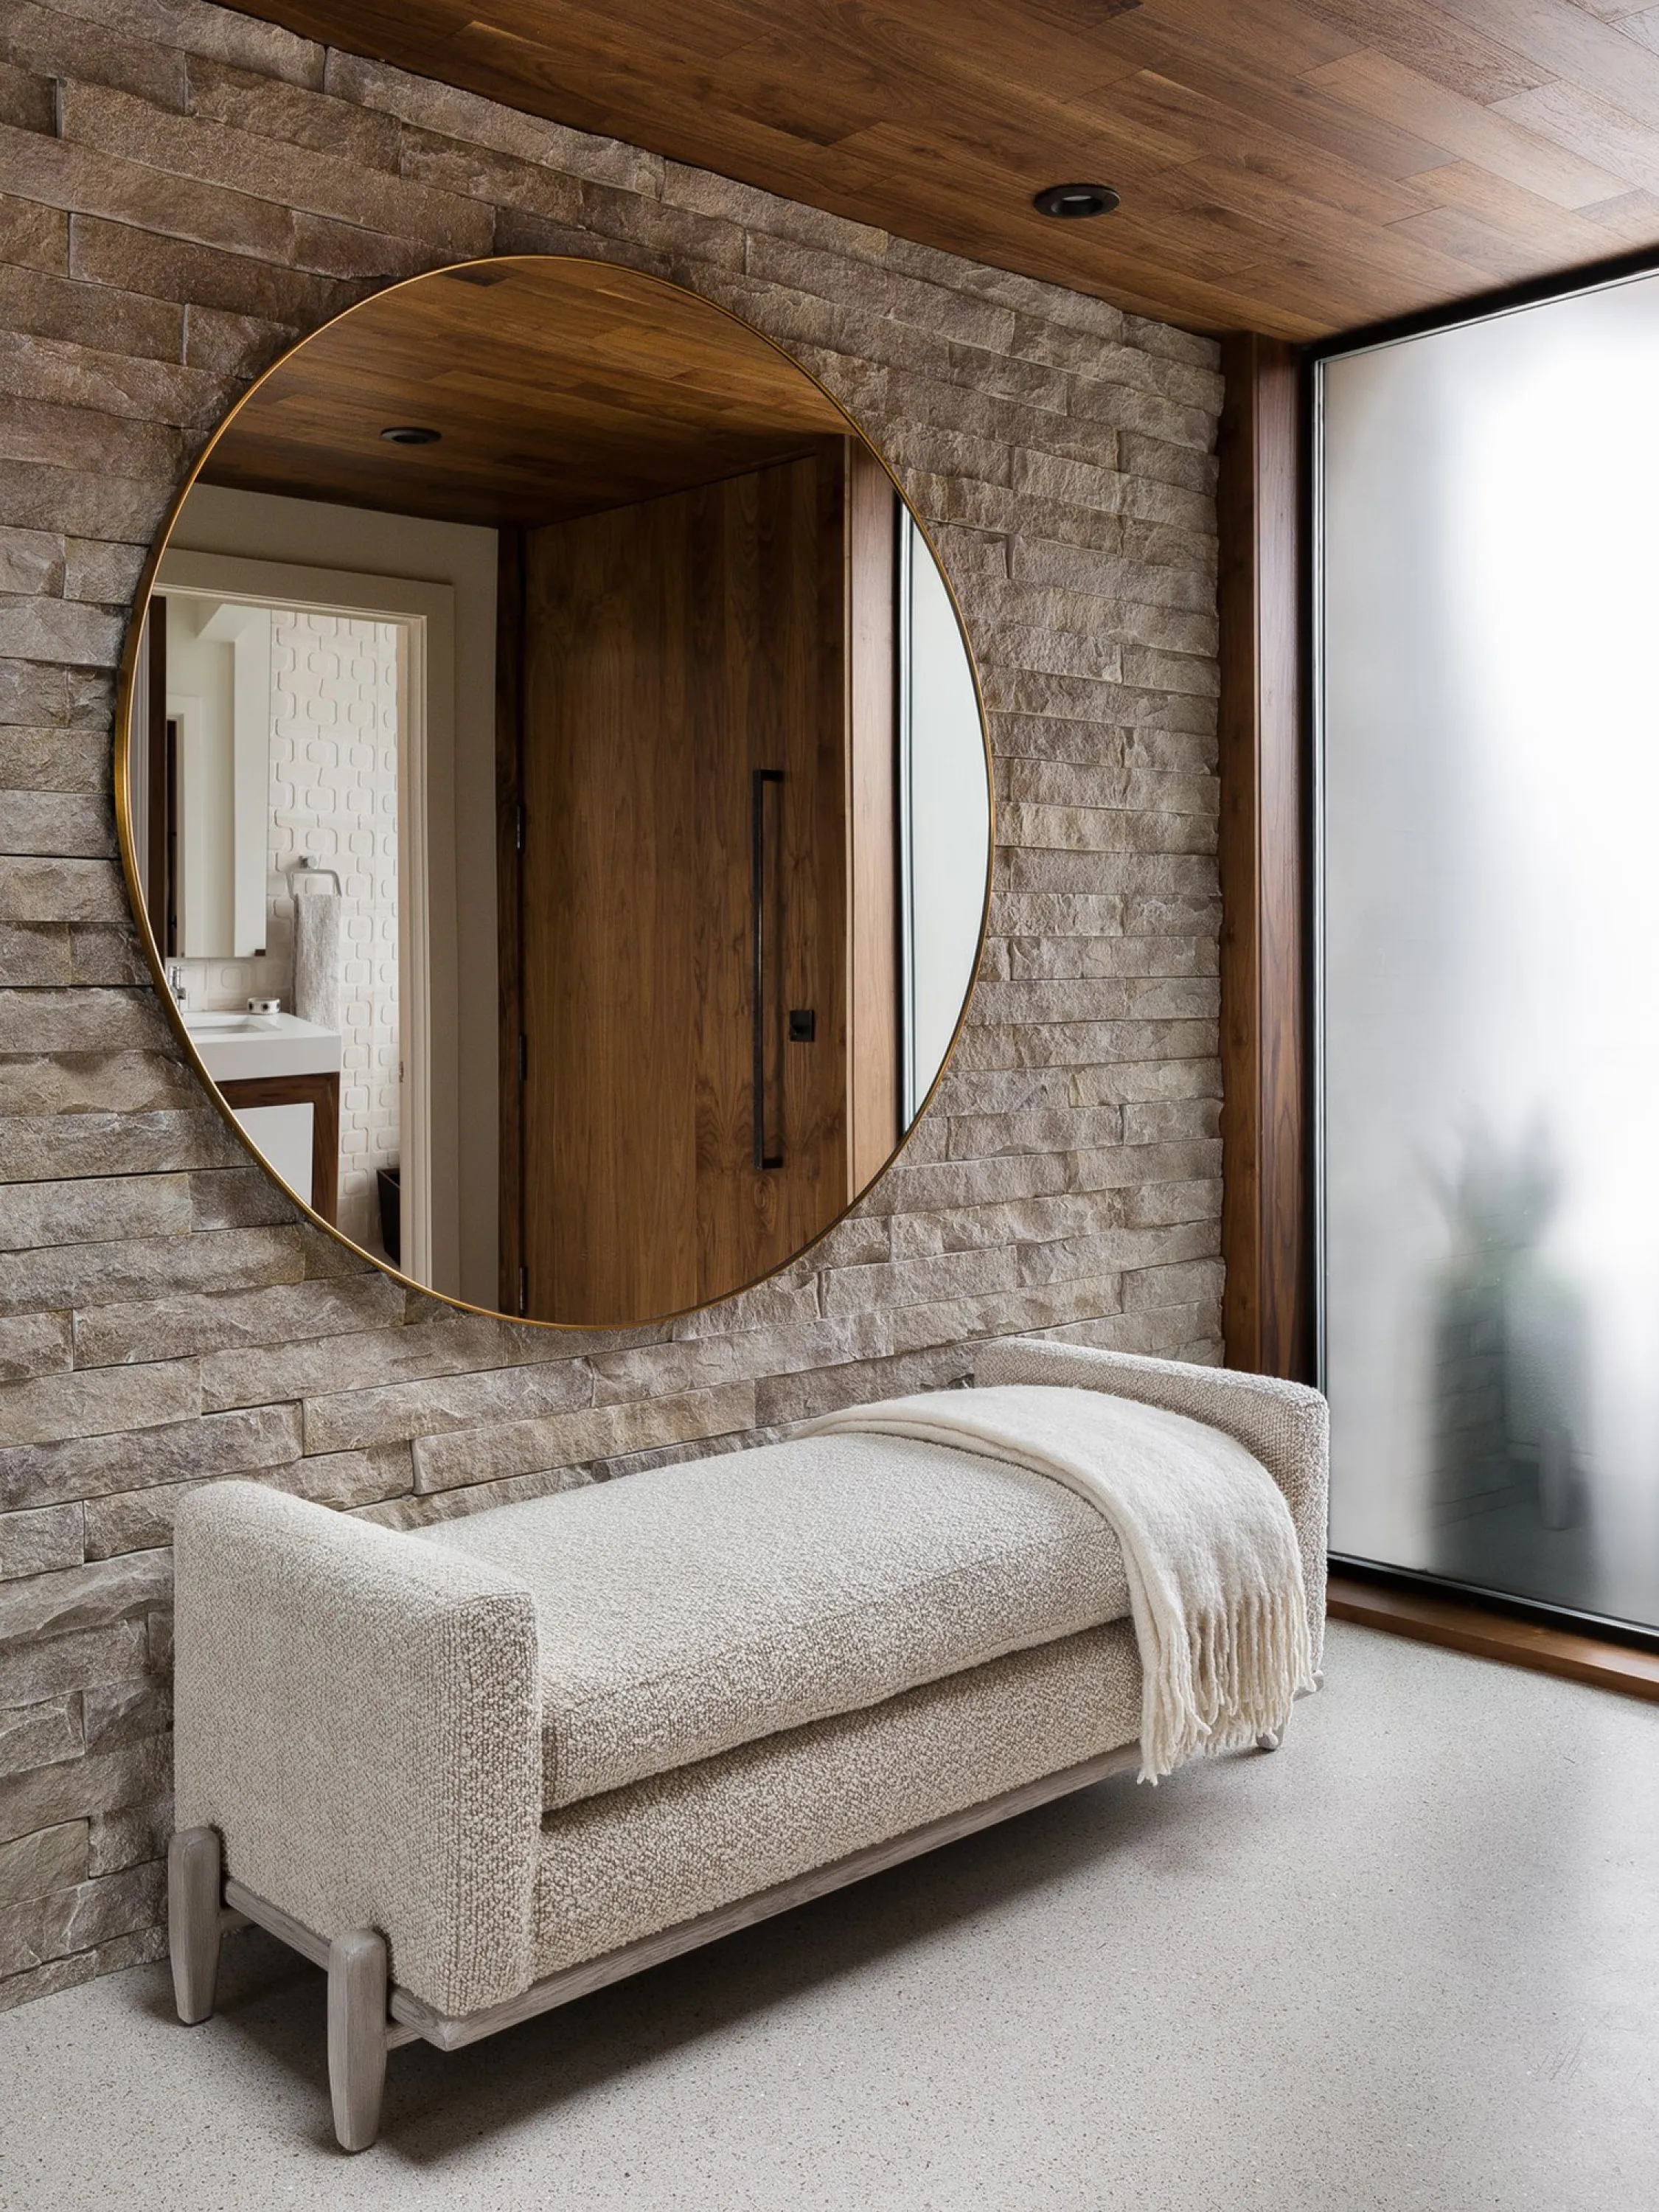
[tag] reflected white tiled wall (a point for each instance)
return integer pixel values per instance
(334, 795)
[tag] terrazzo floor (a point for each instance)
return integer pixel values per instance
(1411, 1961)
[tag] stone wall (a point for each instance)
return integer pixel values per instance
(191, 192)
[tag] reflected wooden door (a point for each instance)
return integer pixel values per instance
(681, 656)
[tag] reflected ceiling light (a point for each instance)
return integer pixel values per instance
(411, 434)
(1068, 201)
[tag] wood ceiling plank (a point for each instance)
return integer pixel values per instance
(1213, 132)
(1471, 132)
(937, 120)
(1644, 28)
(1573, 45)
(1568, 116)
(1559, 237)
(1435, 46)
(1631, 221)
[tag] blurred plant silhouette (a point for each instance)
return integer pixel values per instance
(1509, 1347)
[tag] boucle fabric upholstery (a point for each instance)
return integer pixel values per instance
(616, 1867)
(1215, 1579)
(1285, 1424)
(356, 1715)
(697, 1607)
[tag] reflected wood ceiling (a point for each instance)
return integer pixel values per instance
(558, 388)
(1296, 166)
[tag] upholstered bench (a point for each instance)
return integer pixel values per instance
(480, 1769)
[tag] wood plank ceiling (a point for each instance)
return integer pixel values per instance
(1294, 167)
(557, 388)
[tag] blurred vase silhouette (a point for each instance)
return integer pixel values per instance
(1509, 1354)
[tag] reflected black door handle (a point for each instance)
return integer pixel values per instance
(763, 953)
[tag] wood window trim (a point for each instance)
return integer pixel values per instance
(1458, 1622)
(1266, 1299)
(1264, 755)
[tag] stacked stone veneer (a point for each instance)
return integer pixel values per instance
(190, 191)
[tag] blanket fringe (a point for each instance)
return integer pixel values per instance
(1234, 1677)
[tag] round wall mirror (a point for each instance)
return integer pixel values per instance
(555, 791)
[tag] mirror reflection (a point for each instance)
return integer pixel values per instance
(557, 790)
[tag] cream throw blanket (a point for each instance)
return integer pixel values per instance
(1215, 1578)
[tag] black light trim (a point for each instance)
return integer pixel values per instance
(411, 434)
(1071, 201)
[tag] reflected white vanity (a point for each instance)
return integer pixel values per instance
(281, 1077)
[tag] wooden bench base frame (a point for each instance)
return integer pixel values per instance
(369, 2015)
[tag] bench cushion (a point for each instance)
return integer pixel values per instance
(693, 1607)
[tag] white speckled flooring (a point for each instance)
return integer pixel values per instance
(1411, 1962)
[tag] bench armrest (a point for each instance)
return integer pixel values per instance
(1285, 1424)
(358, 1715)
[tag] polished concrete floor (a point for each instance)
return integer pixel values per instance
(1411, 1962)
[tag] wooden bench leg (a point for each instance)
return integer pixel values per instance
(356, 2035)
(194, 1899)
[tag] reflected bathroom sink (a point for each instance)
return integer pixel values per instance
(238, 1047)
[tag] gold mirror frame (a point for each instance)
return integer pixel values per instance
(156, 959)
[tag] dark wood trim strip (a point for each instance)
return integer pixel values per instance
(322, 1094)
(511, 829)
(1263, 935)
(1460, 1624)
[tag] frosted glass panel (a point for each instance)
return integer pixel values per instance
(1491, 950)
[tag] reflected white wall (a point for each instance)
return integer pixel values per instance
(945, 809)
(1491, 764)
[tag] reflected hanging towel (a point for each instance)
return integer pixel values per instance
(317, 958)
(1215, 1576)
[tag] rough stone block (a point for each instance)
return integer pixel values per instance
(112, 1205)
(90, 1275)
(31, 236)
(525, 1447)
(91, 1596)
(61, 824)
(111, 957)
(242, 1443)
(234, 345)
(35, 1146)
(448, 111)
(295, 177)
(114, 1713)
(54, 760)
(136, 1837)
(34, 1344)
(30, 1672)
(33, 1736)
(179, 1327)
(34, 952)
(479, 172)
(1198, 1281)
(964, 1274)
(108, 254)
(54, 307)
(424, 1510)
(356, 1418)
(106, 1402)
(238, 1197)
(37, 1543)
(299, 115)
(782, 1400)
(79, 1021)
(52, 1858)
(102, 570)
(60, 43)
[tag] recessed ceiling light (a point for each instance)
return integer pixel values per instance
(411, 434)
(1068, 201)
